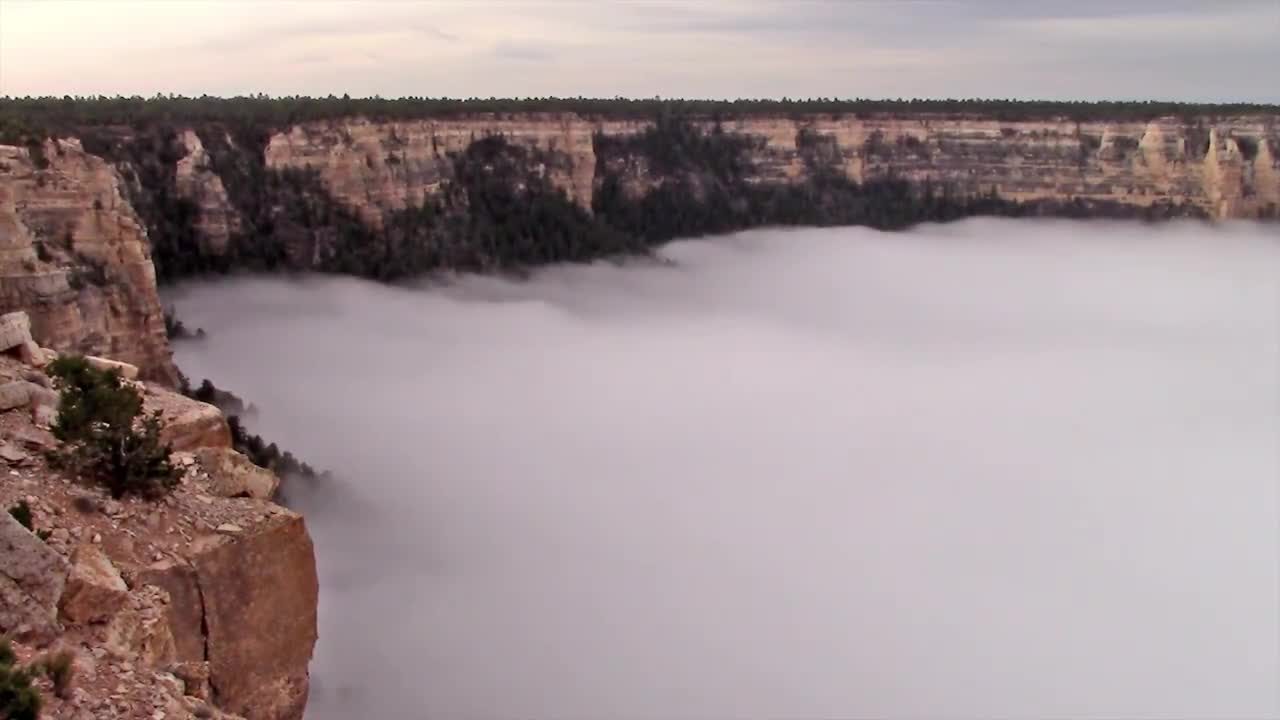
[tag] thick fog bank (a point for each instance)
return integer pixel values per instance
(992, 469)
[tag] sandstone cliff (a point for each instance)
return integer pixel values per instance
(196, 181)
(388, 199)
(199, 605)
(74, 255)
(1227, 167)
(486, 191)
(379, 167)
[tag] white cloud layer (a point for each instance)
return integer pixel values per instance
(991, 469)
(1126, 49)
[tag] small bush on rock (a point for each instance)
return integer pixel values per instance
(60, 668)
(18, 699)
(22, 513)
(99, 420)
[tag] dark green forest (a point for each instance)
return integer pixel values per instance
(25, 117)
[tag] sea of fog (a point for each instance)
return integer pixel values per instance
(991, 469)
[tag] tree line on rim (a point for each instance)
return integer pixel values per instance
(25, 118)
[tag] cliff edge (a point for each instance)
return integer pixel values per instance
(1225, 166)
(199, 605)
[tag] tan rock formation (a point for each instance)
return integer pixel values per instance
(139, 632)
(15, 336)
(187, 424)
(194, 677)
(260, 593)
(95, 592)
(75, 257)
(125, 370)
(380, 167)
(14, 394)
(197, 182)
(376, 167)
(235, 476)
(185, 610)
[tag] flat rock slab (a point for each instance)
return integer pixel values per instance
(95, 591)
(32, 577)
(234, 475)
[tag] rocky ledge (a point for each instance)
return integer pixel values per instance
(199, 605)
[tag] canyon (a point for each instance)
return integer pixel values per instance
(83, 218)
(94, 218)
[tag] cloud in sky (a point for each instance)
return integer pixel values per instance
(1124, 49)
(712, 48)
(990, 469)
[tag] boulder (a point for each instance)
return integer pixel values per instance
(21, 393)
(194, 677)
(140, 632)
(15, 329)
(231, 474)
(185, 610)
(15, 335)
(260, 592)
(33, 438)
(41, 357)
(95, 591)
(41, 396)
(13, 455)
(15, 394)
(32, 577)
(126, 371)
(188, 424)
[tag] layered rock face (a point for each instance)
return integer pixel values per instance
(195, 180)
(1226, 167)
(74, 255)
(378, 167)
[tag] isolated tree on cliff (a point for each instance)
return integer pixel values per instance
(98, 419)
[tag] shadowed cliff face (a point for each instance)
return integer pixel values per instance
(988, 469)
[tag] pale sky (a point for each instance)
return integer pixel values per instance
(1206, 50)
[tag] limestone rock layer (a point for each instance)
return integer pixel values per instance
(76, 258)
(1226, 166)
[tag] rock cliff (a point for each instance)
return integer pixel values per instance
(485, 191)
(196, 181)
(76, 258)
(1226, 167)
(492, 191)
(380, 167)
(202, 605)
